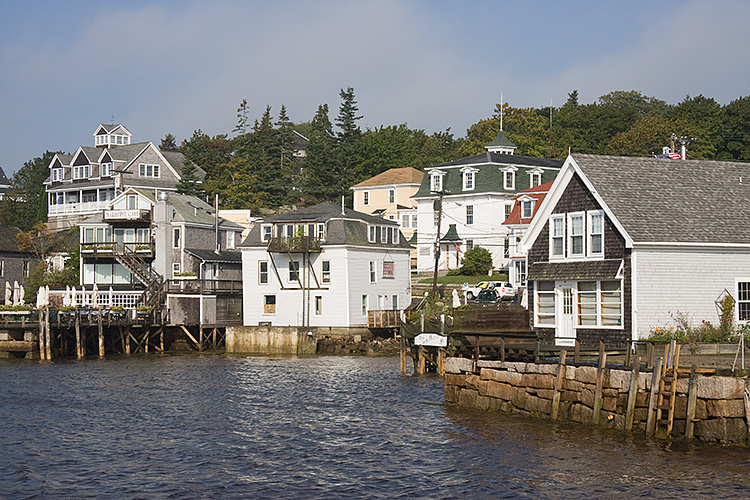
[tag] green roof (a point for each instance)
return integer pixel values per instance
(451, 235)
(501, 140)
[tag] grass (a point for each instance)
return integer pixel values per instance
(459, 280)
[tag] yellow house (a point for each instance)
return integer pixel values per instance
(388, 195)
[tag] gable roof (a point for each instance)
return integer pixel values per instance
(404, 175)
(662, 201)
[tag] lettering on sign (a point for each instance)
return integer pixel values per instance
(431, 340)
(122, 214)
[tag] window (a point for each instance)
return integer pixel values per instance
(311, 230)
(405, 221)
(290, 230)
(266, 232)
(365, 301)
(321, 231)
(230, 240)
(365, 197)
(535, 179)
(414, 221)
(575, 228)
(142, 235)
(526, 207)
(391, 196)
(105, 170)
(326, 271)
(388, 269)
(373, 231)
(269, 304)
(557, 235)
(57, 174)
(383, 234)
(743, 301)
(176, 237)
(146, 170)
(469, 180)
(469, 214)
(81, 171)
(596, 233)
(373, 267)
(508, 209)
(2, 267)
(394, 302)
(599, 303)
(509, 179)
(262, 272)
(469, 244)
(175, 269)
(545, 303)
(391, 235)
(318, 305)
(436, 182)
(88, 196)
(506, 247)
(132, 202)
(88, 235)
(293, 270)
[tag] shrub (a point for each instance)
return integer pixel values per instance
(478, 260)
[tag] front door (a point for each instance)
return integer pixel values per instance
(565, 335)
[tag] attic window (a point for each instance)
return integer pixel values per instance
(146, 170)
(436, 182)
(535, 178)
(526, 209)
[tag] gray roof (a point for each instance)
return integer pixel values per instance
(351, 228)
(661, 200)
(598, 269)
(212, 256)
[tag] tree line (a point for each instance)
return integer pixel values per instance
(255, 165)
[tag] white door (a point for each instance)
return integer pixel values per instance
(565, 335)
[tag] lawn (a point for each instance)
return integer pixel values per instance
(458, 280)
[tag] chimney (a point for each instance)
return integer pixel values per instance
(300, 203)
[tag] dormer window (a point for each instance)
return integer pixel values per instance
(105, 170)
(57, 174)
(527, 207)
(469, 178)
(436, 181)
(81, 171)
(535, 178)
(509, 178)
(265, 232)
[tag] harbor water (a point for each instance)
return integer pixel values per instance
(192, 426)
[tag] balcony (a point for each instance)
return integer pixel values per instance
(108, 249)
(77, 208)
(294, 244)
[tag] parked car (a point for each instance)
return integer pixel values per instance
(488, 295)
(503, 288)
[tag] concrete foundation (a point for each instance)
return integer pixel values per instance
(290, 340)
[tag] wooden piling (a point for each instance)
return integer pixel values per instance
(441, 361)
(101, 334)
(421, 361)
(80, 348)
(161, 339)
(691, 404)
(47, 334)
(200, 336)
(558, 384)
(42, 351)
(577, 354)
(402, 355)
(630, 411)
(599, 384)
(127, 340)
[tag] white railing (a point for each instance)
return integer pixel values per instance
(77, 208)
(104, 298)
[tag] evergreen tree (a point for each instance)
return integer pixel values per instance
(168, 143)
(242, 112)
(189, 183)
(25, 204)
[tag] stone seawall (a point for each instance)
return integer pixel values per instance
(529, 389)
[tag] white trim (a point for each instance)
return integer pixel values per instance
(589, 234)
(552, 255)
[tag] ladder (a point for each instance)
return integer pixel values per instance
(668, 388)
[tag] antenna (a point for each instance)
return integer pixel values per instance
(113, 118)
(342, 205)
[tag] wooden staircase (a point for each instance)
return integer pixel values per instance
(155, 292)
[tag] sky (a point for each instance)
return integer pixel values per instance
(174, 66)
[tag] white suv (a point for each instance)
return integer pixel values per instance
(504, 289)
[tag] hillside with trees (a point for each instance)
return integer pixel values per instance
(255, 165)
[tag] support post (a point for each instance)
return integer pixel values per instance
(200, 337)
(42, 350)
(441, 361)
(80, 347)
(691, 404)
(161, 339)
(599, 384)
(47, 334)
(421, 361)
(577, 355)
(635, 372)
(558, 384)
(100, 329)
(655, 381)
(402, 355)
(127, 340)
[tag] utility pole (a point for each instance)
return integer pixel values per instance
(438, 206)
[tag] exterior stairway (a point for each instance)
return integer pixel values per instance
(155, 292)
